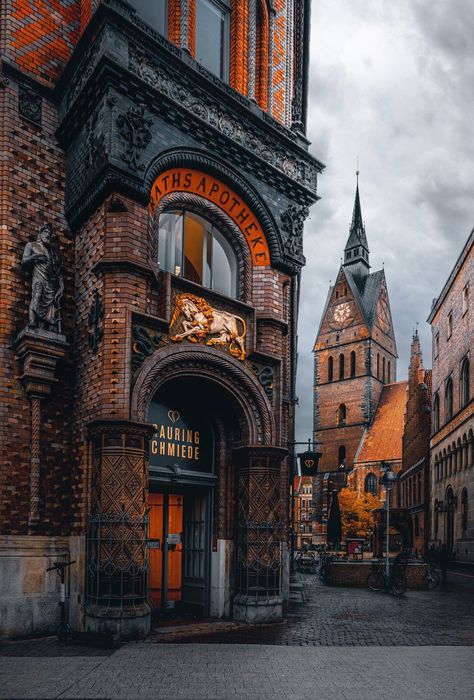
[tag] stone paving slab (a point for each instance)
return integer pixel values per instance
(241, 672)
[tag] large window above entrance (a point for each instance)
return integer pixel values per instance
(190, 246)
(155, 13)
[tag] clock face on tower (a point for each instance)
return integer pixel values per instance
(342, 315)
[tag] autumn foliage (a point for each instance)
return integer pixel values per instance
(356, 511)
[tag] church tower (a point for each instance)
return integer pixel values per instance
(354, 357)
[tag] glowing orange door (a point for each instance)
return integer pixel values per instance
(165, 549)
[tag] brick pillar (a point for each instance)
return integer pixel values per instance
(117, 564)
(260, 534)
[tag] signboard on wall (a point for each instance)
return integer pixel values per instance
(180, 438)
(309, 463)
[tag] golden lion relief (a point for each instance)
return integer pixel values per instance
(199, 320)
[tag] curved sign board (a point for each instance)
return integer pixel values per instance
(212, 189)
(180, 438)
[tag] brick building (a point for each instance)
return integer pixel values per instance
(413, 482)
(148, 347)
(303, 518)
(452, 438)
(355, 356)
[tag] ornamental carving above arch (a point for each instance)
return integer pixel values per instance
(169, 363)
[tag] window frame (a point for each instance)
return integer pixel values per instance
(225, 7)
(448, 414)
(450, 325)
(153, 26)
(464, 382)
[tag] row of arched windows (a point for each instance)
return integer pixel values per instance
(464, 395)
(458, 456)
(342, 366)
(412, 491)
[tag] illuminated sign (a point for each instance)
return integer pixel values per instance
(209, 187)
(180, 439)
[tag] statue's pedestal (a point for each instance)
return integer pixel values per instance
(39, 351)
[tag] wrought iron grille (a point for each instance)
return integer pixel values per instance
(117, 562)
(260, 531)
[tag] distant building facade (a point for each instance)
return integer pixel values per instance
(303, 521)
(355, 356)
(452, 437)
(413, 483)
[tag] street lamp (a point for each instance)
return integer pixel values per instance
(387, 479)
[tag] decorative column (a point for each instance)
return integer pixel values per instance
(117, 557)
(252, 49)
(184, 25)
(260, 533)
(39, 351)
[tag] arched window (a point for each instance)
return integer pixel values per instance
(464, 510)
(383, 370)
(341, 366)
(341, 455)
(330, 368)
(378, 365)
(190, 246)
(353, 364)
(464, 388)
(448, 400)
(436, 413)
(342, 413)
(388, 372)
(370, 484)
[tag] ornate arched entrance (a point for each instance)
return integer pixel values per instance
(214, 477)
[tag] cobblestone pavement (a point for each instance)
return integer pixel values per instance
(336, 616)
(244, 672)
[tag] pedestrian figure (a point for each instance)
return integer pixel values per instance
(443, 561)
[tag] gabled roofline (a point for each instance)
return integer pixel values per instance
(449, 282)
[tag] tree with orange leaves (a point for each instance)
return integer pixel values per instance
(356, 511)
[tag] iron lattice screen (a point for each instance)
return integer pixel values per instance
(260, 531)
(117, 563)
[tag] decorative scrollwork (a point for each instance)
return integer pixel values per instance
(292, 222)
(30, 105)
(134, 128)
(265, 376)
(145, 342)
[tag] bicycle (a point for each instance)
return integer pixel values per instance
(395, 583)
(431, 578)
(64, 632)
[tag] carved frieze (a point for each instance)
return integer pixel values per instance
(144, 343)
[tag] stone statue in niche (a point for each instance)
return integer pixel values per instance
(47, 284)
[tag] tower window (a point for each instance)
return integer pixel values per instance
(330, 369)
(388, 372)
(341, 456)
(341, 366)
(464, 388)
(212, 36)
(378, 365)
(190, 246)
(154, 13)
(353, 364)
(450, 324)
(383, 370)
(465, 299)
(342, 414)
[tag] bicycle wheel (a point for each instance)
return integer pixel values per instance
(398, 585)
(432, 579)
(375, 581)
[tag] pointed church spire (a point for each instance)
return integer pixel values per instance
(356, 252)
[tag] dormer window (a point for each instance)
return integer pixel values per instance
(154, 13)
(212, 36)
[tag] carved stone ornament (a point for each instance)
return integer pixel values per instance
(292, 222)
(199, 320)
(47, 284)
(95, 150)
(30, 105)
(134, 128)
(145, 342)
(94, 320)
(265, 376)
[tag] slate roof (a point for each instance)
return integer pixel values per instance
(383, 438)
(357, 235)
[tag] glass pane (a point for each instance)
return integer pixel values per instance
(195, 229)
(211, 40)
(154, 12)
(224, 266)
(170, 241)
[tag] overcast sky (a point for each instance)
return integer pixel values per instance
(391, 82)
